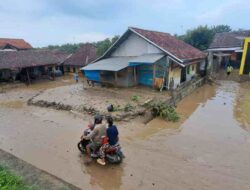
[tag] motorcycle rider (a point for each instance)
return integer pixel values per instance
(96, 137)
(112, 135)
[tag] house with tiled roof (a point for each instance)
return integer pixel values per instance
(226, 48)
(86, 54)
(26, 65)
(9, 44)
(145, 57)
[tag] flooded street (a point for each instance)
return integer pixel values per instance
(209, 148)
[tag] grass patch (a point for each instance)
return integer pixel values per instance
(9, 181)
(135, 98)
(164, 111)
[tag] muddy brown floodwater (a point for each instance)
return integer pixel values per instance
(209, 148)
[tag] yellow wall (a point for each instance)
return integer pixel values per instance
(244, 55)
(176, 74)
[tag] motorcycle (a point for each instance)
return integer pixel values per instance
(113, 155)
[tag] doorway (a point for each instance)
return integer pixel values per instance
(183, 74)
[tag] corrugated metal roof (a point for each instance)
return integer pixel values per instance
(109, 64)
(147, 58)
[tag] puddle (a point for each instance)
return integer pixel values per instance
(242, 107)
(185, 109)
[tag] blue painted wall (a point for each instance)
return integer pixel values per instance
(145, 72)
(92, 75)
(145, 75)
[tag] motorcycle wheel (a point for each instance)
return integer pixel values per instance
(79, 146)
(114, 159)
(119, 160)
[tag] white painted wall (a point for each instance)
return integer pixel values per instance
(135, 46)
(8, 49)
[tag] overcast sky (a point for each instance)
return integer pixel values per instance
(44, 22)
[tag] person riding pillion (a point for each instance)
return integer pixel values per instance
(113, 138)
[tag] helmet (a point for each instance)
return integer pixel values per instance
(110, 108)
(98, 119)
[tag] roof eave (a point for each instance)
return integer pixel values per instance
(224, 48)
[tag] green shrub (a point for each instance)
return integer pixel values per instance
(164, 111)
(128, 107)
(117, 108)
(135, 98)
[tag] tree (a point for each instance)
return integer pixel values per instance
(199, 37)
(221, 28)
(202, 36)
(103, 46)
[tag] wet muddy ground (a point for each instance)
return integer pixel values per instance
(82, 98)
(209, 148)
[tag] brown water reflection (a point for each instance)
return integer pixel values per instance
(185, 108)
(242, 107)
(207, 148)
(107, 177)
(216, 119)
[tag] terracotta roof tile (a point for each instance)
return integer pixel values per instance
(26, 58)
(168, 43)
(229, 39)
(17, 43)
(85, 55)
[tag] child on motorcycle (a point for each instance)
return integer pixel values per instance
(86, 132)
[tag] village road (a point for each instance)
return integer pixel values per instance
(209, 148)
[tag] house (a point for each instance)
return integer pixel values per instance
(144, 57)
(7, 44)
(62, 56)
(26, 65)
(226, 48)
(245, 61)
(85, 55)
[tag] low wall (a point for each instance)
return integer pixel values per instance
(187, 88)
